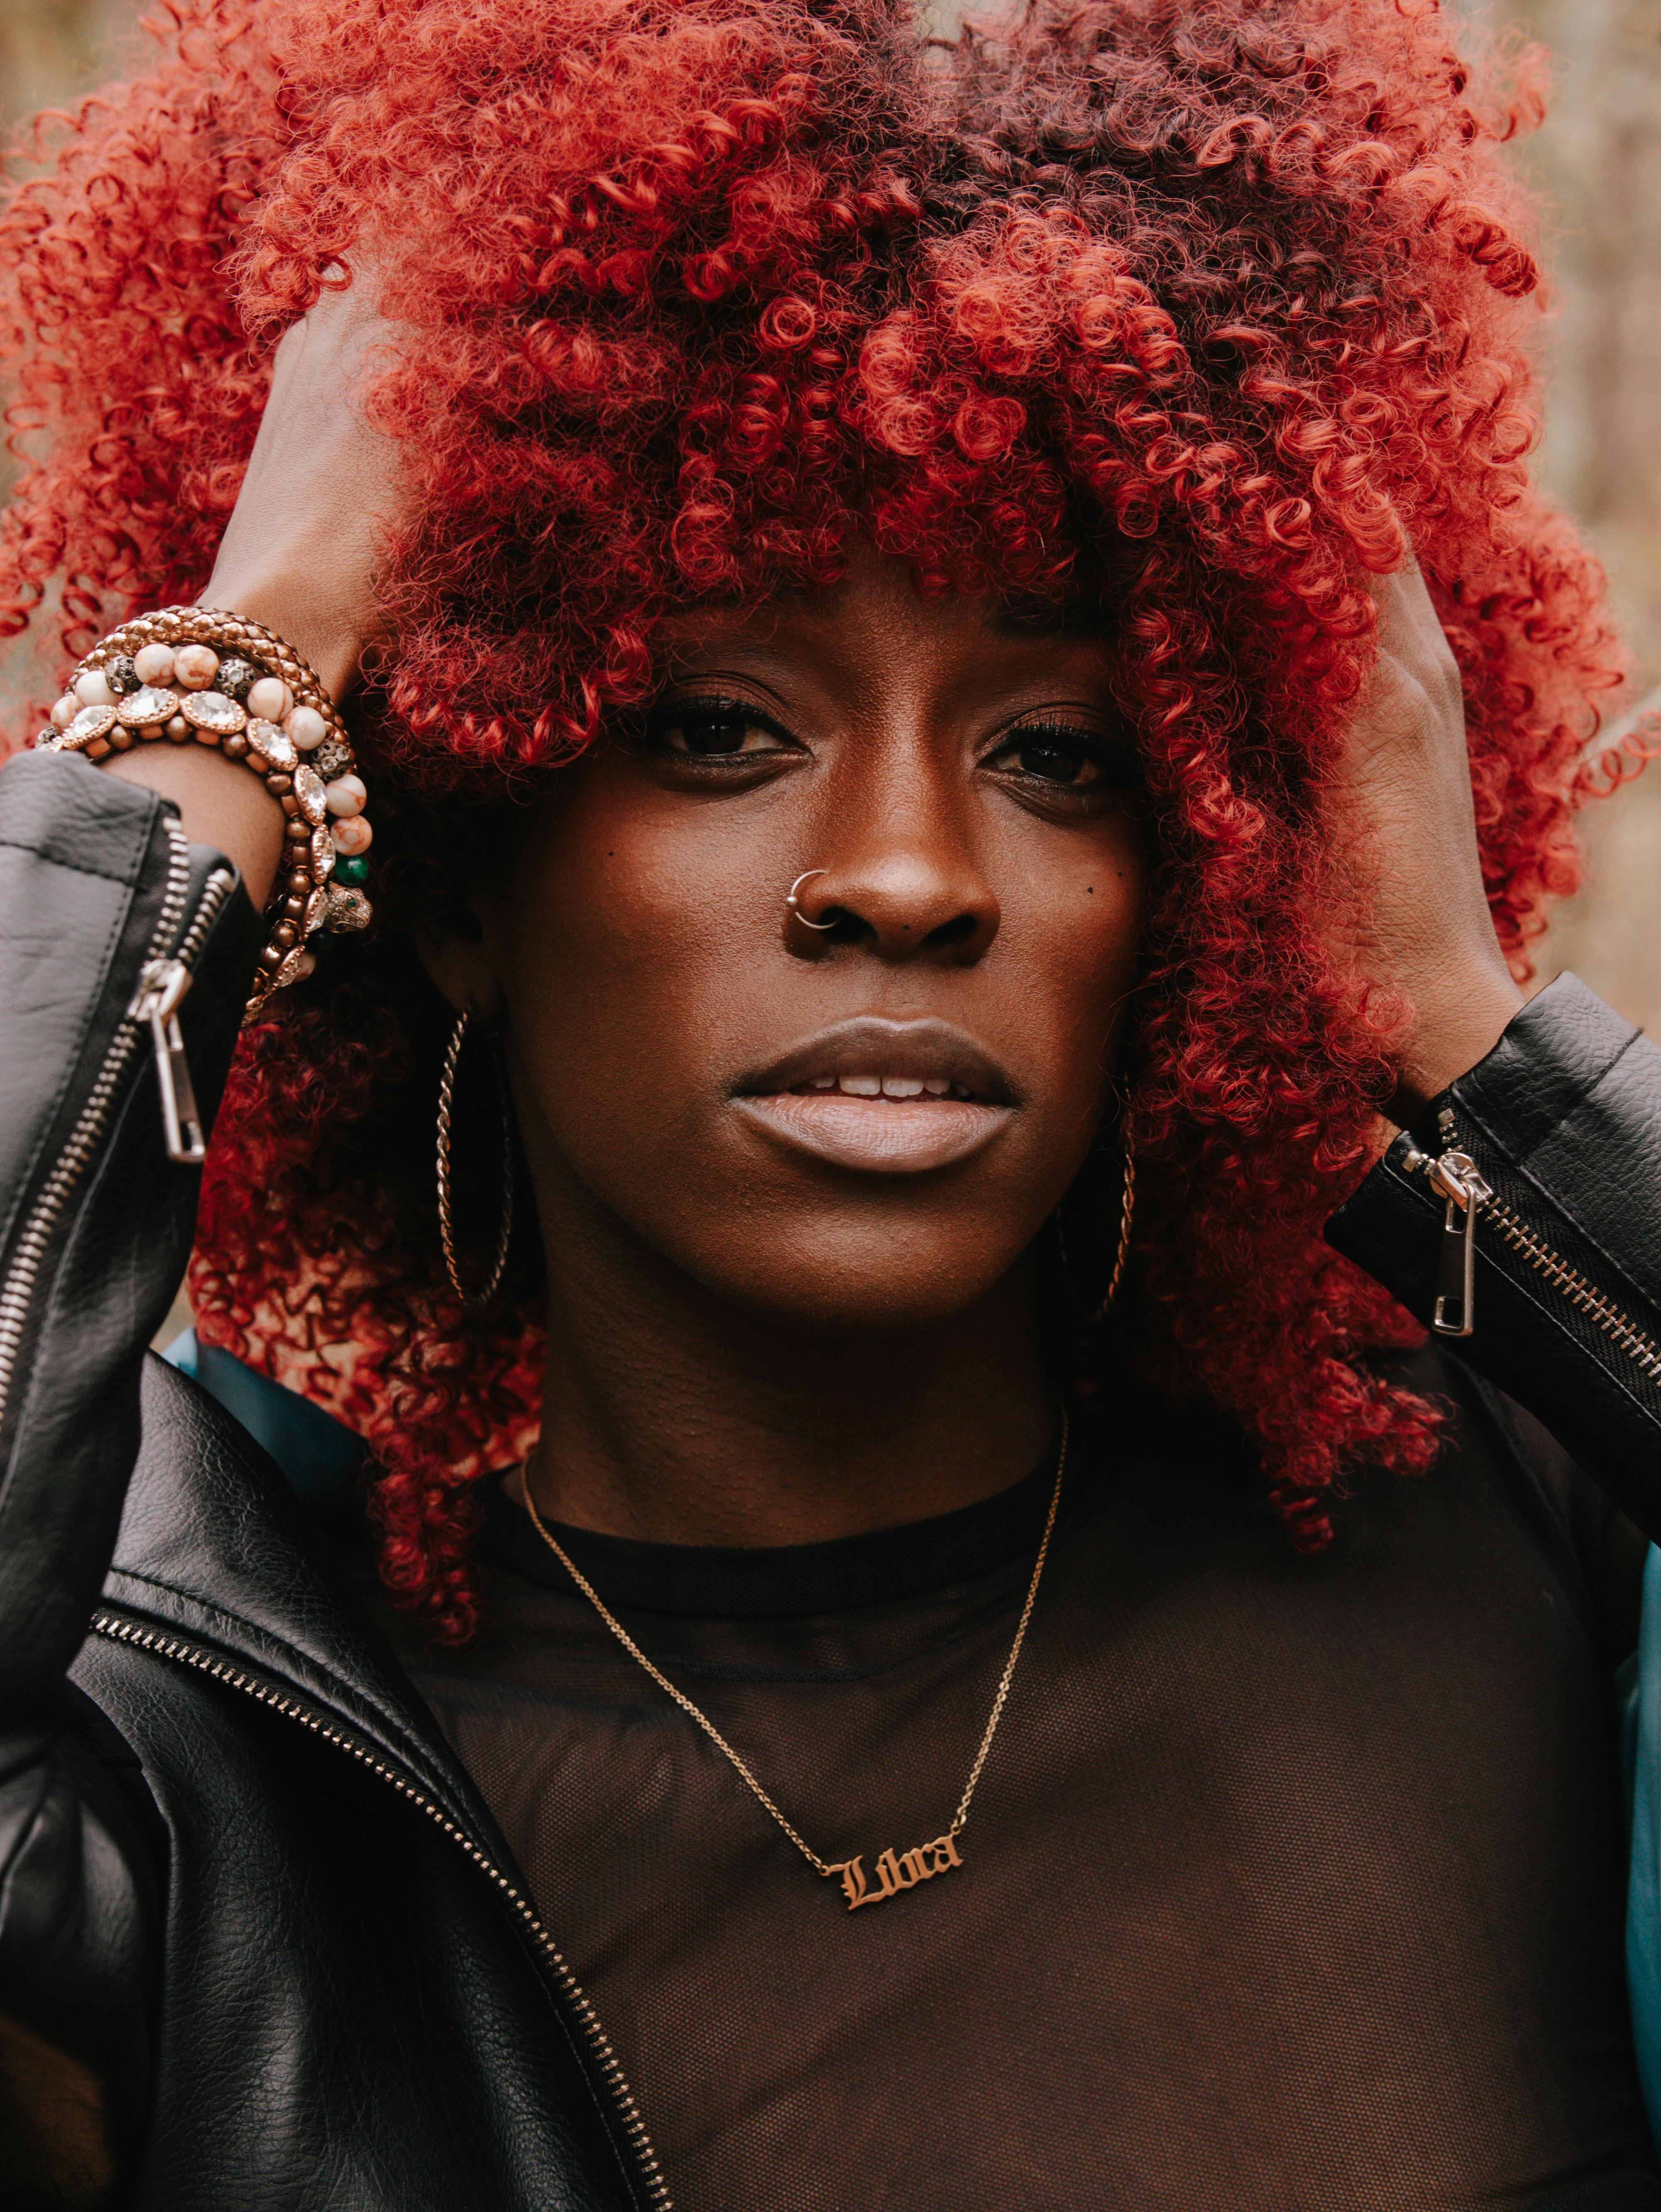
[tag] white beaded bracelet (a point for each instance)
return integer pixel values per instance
(190, 674)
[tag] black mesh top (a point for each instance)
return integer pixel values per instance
(1291, 1885)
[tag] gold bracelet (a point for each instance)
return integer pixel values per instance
(193, 674)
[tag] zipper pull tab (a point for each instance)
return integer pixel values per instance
(1456, 1176)
(162, 986)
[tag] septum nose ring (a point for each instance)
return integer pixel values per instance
(793, 904)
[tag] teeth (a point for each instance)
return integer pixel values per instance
(885, 1086)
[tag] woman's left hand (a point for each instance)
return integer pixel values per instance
(1407, 795)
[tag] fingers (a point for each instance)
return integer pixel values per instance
(323, 488)
(322, 364)
(1403, 803)
(1411, 638)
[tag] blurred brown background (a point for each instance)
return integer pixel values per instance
(1598, 160)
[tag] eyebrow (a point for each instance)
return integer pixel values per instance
(1073, 618)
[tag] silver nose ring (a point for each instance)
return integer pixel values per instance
(793, 904)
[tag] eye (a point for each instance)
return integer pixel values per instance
(1052, 760)
(713, 729)
(1081, 762)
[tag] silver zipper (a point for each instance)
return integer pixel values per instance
(215, 892)
(189, 1654)
(86, 1137)
(162, 987)
(1455, 1177)
(1638, 1348)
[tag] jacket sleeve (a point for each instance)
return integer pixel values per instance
(96, 883)
(1545, 1160)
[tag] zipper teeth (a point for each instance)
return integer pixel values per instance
(178, 882)
(215, 892)
(1573, 1286)
(189, 1654)
(84, 1139)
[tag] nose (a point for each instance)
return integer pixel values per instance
(908, 888)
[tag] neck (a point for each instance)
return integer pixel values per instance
(671, 1417)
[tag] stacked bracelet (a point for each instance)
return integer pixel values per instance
(190, 674)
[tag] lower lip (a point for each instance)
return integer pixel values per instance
(876, 1136)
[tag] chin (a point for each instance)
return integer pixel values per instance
(905, 1285)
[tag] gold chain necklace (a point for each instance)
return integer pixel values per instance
(894, 1872)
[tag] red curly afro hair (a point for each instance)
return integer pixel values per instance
(1206, 307)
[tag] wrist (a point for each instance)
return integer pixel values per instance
(218, 806)
(299, 608)
(1452, 1032)
(202, 682)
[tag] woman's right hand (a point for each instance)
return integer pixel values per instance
(300, 554)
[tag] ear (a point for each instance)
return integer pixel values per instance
(461, 966)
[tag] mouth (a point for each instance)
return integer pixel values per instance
(881, 1096)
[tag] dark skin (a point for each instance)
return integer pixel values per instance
(782, 1311)
(761, 1309)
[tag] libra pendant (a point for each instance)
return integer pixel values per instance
(895, 1874)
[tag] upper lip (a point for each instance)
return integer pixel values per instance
(876, 1044)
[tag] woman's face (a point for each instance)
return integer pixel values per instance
(855, 1128)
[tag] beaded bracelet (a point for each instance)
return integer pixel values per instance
(192, 673)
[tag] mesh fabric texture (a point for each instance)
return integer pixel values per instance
(1290, 1885)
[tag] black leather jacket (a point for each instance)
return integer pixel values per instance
(260, 1944)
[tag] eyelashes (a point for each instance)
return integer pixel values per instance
(715, 729)
(717, 733)
(1078, 761)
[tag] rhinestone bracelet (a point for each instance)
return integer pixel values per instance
(193, 674)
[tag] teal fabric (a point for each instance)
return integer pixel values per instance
(1640, 1682)
(321, 1461)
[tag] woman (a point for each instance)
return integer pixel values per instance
(893, 688)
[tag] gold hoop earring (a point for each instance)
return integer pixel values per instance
(472, 1300)
(1127, 1213)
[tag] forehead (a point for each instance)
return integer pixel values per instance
(879, 614)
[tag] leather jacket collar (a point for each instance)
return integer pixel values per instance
(216, 1548)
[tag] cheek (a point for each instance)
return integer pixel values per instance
(1069, 946)
(629, 942)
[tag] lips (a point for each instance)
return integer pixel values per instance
(875, 1048)
(881, 1096)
